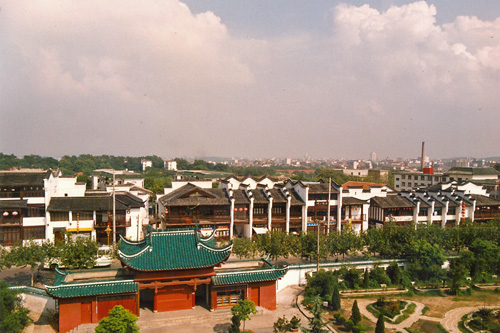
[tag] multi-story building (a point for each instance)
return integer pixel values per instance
(254, 206)
(42, 205)
(408, 180)
(444, 206)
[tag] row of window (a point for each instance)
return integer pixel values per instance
(429, 178)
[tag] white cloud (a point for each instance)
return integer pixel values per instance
(176, 83)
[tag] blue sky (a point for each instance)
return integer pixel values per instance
(250, 78)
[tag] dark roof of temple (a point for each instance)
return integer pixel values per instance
(192, 195)
(259, 197)
(79, 288)
(353, 201)
(392, 201)
(277, 195)
(482, 200)
(17, 178)
(13, 203)
(172, 250)
(240, 197)
(94, 203)
(247, 276)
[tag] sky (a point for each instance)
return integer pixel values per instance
(330, 79)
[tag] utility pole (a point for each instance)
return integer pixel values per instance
(328, 205)
(114, 210)
(317, 223)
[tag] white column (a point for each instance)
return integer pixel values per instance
(269, 213)
(339, 211)
(415, 213)
(430, 214)
(444, 213)
(250, 218)
(287, 213)
(231, 224)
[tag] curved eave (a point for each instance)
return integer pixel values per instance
(92, 289)
(238, 277)
(166, 268)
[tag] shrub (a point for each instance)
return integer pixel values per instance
(118, 320)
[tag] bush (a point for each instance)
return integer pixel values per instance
(118, 320)
(13, 316)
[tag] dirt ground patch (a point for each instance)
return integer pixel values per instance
(425, 326)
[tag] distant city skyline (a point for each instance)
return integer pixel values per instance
(253, 79)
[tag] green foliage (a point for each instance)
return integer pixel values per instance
(242, 247)
(457, 275)
(243, 310)
(380, 326)
(119, 320)
(315, 322)
(235, 324)
(322, 283)
(80, 253)
(294, 322)
(13, 316)
(426, 260)
(378, 274)
(281, 325)
(394, 273)
(355, 313)
(336, 301)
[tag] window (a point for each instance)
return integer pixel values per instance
(415, 177)
(34, 211)
(403, 177)
(403, 184)
(277, 210)
(422, 212)
(409, 184)
(422, 177)
(82, 216)
(59, 216)
(451, 211)
(397, 179)
(259, 210)
(34, 233)
(429, 178)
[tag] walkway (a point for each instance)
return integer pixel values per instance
(414, 317)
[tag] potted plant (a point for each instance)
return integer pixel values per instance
(294, 324)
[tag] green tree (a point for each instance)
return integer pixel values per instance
(457, 275)
(119, 320)
(316, 322)
(13, 316)
(242, 247)
(355, 314)
(394, 273)
(243, 310)
(31, 254)
(426, 261)
(336, 301)
(80, 253)
(348, 242)
(380, 326)
(366, 279)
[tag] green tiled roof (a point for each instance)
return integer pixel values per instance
(61, 289)
(172, 250)
(256, 275)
